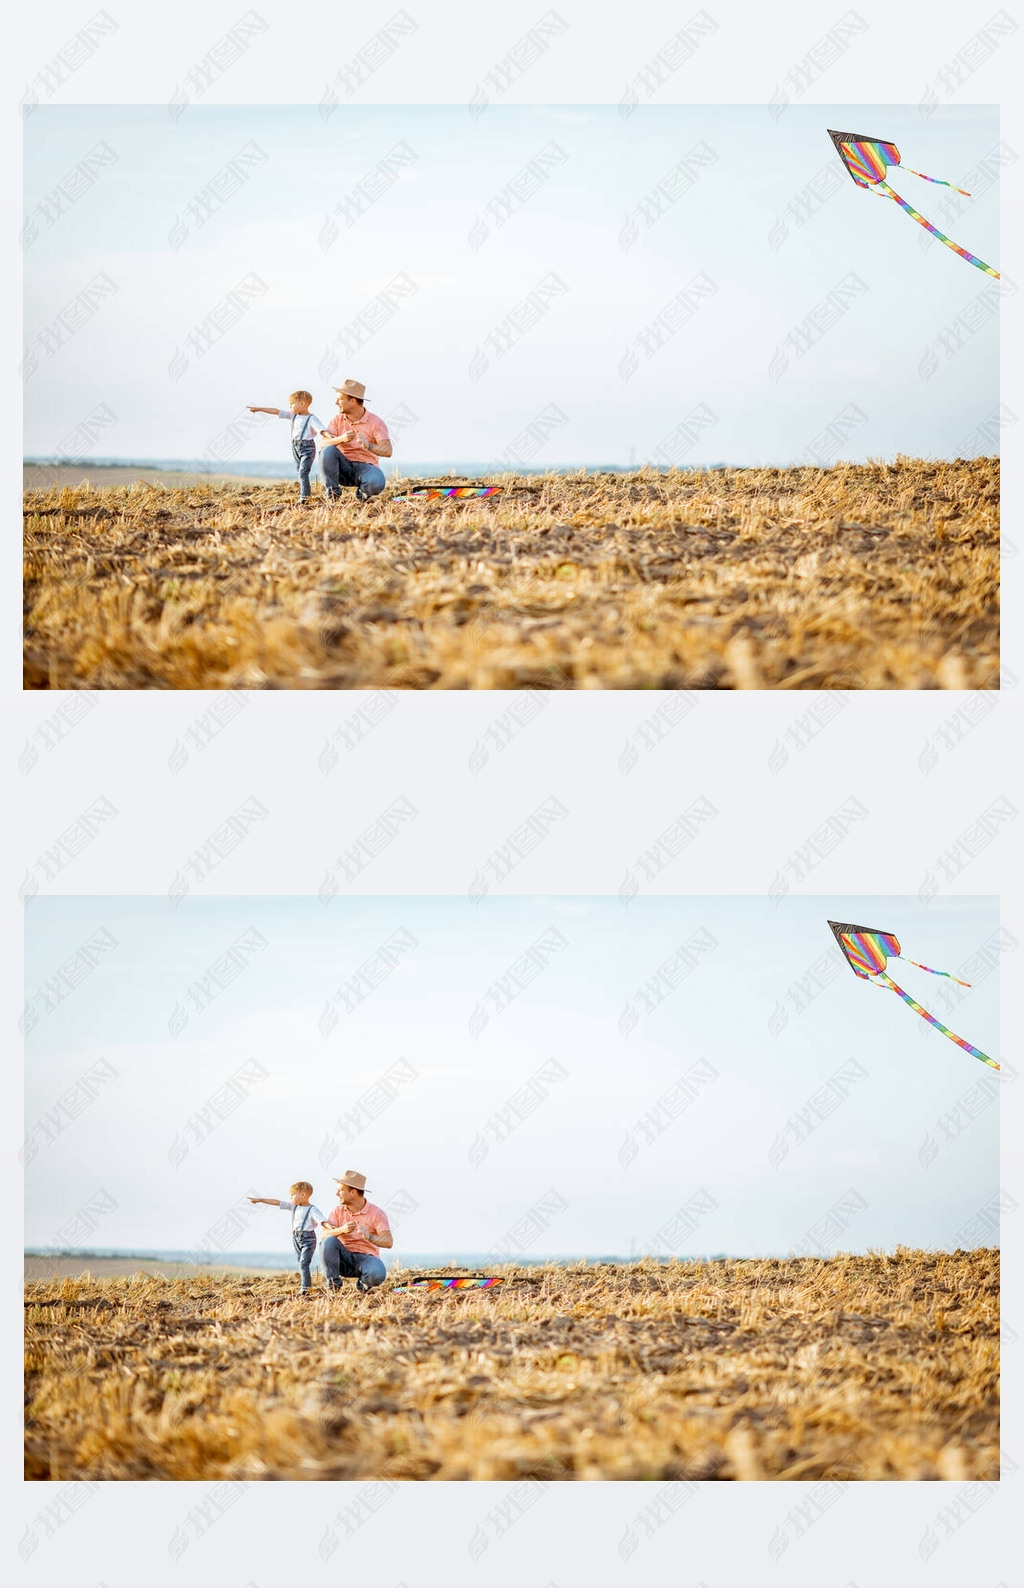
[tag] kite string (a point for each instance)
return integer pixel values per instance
(887, 981)
(972, 259)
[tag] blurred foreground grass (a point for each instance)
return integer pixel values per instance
(852, 1367)
(863, 576)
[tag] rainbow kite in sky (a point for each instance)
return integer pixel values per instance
(866, 953)
(868, 159)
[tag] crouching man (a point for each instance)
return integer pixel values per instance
(351, 1236)
(352, 445)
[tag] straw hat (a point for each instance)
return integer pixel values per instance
(352, 388)
(351, 1178)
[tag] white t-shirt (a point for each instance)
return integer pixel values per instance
(310, 1212)
(312, 423)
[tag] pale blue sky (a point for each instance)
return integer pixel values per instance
(420, 226)
(727, 1012)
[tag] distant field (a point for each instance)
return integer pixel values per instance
(853, 1367)
(120, 1267)
(871, 576)
(41, 476)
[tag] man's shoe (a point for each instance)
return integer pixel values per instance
(361, 495)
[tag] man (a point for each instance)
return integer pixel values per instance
(351, 1235)
(352, 442)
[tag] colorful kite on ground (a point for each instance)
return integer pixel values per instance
(867, 160)
(866, 953)
(438, 1282)
(429, 493)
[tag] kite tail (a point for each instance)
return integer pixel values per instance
(888, 982)
(937, 179)
(972, 259)
(947, 973)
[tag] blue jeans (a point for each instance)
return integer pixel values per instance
(303, 452)
(339, 471)
(305, 1246)
(340, 1263)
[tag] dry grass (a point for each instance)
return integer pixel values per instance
(854, 1367)
(859, 576)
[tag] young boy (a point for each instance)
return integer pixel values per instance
(305, 428)
(305, 1218)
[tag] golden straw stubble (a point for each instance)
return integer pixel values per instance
(858, 576)
(854, 1367)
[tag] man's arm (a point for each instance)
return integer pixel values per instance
(352, 436)
(358, 438)
(376, 1238)
(380, 449)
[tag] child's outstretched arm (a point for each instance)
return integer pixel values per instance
(272, 1202)
(253, 410)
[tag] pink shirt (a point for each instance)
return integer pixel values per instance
(370, 426)
(375, 1219)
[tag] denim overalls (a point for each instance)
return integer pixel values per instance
(304, 1241)
(303, 451)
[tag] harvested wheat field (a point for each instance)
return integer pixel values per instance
(850, 1367)
(865, 576)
